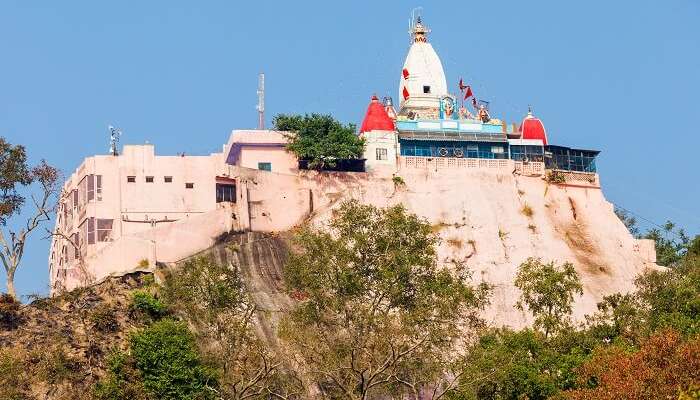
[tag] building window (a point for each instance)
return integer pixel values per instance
(98, 187)
(426, 89)
(104, 229)
(265, 166)
(91, 230)
(225, 193)
(381, 154)
(131, 179)
(149, 179)
(90, 187)
(168, 179)
(189, 185)
(497, 149)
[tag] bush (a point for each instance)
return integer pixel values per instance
(398, 181)
(145, 303)
(9, 312)
(123, 380)
(527, 211)
(166, 355)
(103, 319)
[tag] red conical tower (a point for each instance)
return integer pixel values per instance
(376, 118)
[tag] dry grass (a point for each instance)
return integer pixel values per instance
(503, 235)
(439, 226)
(527, 211)
(455, 242)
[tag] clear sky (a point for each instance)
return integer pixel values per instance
(619, 76)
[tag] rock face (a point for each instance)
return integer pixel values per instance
(260, 258)
(491, 220)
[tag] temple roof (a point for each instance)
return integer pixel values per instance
(532, 128)
(376, 118)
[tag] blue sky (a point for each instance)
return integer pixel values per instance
(619, 76)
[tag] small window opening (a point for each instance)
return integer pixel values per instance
(426, 89)
(131, 179)
(189, 185)
(265, 166)
(149, 179)
(225, 193)
(381, 154)
(168, 179)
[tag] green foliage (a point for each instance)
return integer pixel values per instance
(671, 298)
(373, 291)
(123, 380)
(319, 138)
(548, 292)
(671, 243)
(398, 181)
(507, 364)
(146, 304)
(214, 299)
(14, 172)
(165, 353)
(555, 177)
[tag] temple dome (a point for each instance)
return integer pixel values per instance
(422, 81)
(532, 128)
(376, 118)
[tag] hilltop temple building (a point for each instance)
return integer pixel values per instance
(131, 211)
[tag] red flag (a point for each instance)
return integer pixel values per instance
(469, 93)
(405, 93)
(405, 73)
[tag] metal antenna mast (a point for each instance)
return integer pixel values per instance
(114, 134)
(261, 101)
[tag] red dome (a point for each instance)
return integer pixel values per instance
(532, 128)
(376, 118)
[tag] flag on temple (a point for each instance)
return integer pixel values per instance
(405, 73)
(469, 93)
(405, 93)
(461, 85)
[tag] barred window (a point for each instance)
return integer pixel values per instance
(381, 153)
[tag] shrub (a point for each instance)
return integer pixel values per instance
(103, 319)
(555, 177)
(527, 211)
(532, 227)
(123, 380)
(144, 303)
(9, 312)
(398, 181)
(166, 356)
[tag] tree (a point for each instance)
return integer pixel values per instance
(671, 244)
(166, 355)
(629, 220)
(377, 315)
(319, 138)
(14, 175)
(664, 365)
(214, 299)
(548, 292)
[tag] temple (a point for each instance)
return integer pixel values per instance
(462, 168)
(431, 125)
